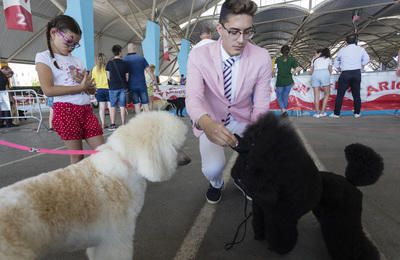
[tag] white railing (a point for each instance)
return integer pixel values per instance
(27, 103)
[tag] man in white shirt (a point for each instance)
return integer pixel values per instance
(350, 60)
(205, 36)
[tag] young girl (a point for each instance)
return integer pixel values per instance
(74, 119)
(321, 70)
(100, 78)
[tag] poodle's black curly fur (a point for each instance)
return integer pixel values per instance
(276, 170)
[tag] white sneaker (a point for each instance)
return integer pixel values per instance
(322, 114)
(316, 115)
(334, 116)
(357, 115)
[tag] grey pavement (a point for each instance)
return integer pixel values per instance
(172, 208)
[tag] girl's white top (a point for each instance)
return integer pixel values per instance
(63, 75)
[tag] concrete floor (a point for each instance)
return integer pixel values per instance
(172, 208)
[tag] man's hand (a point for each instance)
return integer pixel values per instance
(217, 133)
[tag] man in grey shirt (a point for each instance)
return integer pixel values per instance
(350, 60)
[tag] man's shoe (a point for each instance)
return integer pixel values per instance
(112, 127)
(284, 114)
(323, 114)
(334, 116)
(316, 115)
(240, 186)
(214, 195)
(357, 115)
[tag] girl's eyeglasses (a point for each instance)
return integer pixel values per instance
(70, 43)
(234, 34)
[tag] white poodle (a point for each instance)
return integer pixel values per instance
(92, 204)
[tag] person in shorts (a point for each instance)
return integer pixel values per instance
(137, 65)
(58, 73)
(321, 70)
(99, 75)
(117, 74)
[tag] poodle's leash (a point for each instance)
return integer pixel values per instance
(46, 151)
(230, 245)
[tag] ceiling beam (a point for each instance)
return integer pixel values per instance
(124, 19)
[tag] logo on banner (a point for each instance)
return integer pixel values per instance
(18, 15)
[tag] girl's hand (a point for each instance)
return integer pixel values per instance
(77, 76)
(87, 83)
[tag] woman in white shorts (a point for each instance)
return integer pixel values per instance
(321, 70)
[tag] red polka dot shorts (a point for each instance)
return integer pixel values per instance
(75, 122)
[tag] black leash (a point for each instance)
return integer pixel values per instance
(230, 245)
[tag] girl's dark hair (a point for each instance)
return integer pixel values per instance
(61, 23)
(116, 49)
(325, 53)
(236, 7)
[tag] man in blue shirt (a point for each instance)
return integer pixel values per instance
(137, 83)
(350, 60)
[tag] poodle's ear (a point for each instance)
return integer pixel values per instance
(150, 143)
(242, 146)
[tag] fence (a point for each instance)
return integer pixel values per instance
(25, 104)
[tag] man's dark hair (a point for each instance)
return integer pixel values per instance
(285, 49)
(205, 30)
(116, 49)
(351, 39)
(325, 53)
(234, 7)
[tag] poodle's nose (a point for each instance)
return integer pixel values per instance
(183, 158)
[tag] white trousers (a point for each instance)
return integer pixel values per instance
(213, 157)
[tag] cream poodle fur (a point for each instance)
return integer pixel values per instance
(92, 204)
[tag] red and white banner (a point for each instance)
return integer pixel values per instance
(169, 91)
(18, 15)
(379, 91)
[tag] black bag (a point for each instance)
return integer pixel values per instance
(123, 82)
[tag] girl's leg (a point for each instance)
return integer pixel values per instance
(102, 111)
(95, 141)
(316, 99)
(74, 145)
(51, 115)
(327, 92)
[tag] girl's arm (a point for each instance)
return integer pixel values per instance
(50, 90)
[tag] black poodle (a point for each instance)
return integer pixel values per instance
(276, 171)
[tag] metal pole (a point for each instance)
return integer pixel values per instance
(153, 10)
(190, 18)
(124, 19)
